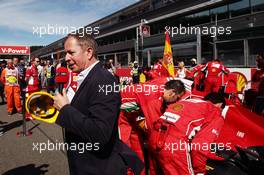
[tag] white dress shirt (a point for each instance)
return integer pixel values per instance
(83, 74)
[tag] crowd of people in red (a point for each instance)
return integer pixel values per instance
(164, 120)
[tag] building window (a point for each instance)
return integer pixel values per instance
(101, 58)
(154, 29)
(116, 38)
(145, 59)
(201, 17)
(156, 54)
(220, 12)
(239, 8)
(184, 54)
(231, 53)
(122, 59)
(110, 56)
(130, 34)
(110, 40)
(255, 46)
(188, 20)
(99, 42)
(207, 48)
(257, 5)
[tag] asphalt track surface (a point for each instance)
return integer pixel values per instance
(19, 156)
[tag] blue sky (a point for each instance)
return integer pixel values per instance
(19, 18)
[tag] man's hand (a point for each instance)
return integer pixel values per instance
(60, 101)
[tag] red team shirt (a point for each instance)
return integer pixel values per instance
(214, 76)
(32, 79)
(187, 121)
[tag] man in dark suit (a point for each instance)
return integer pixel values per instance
(90, 120)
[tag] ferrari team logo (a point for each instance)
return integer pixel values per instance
(177, 107)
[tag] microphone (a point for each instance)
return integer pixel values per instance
(62, 77)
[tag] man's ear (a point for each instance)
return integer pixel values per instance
(89, 53)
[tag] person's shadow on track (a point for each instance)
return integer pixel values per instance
(1, 123)
(2, 103)
(29, 169)
(10, 126)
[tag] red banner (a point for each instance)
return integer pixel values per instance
(14, 50)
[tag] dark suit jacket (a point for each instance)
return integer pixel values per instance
(91, 119)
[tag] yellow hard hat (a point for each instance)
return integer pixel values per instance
(40, 106)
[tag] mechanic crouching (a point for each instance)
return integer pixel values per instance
(182, 138)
